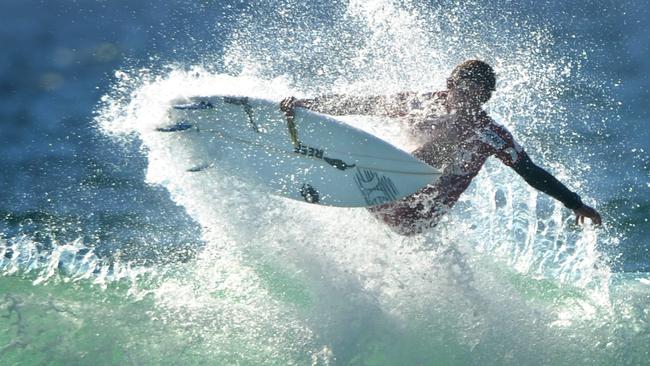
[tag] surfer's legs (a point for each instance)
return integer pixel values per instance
(406, 217)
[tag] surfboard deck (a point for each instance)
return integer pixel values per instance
(313, 158)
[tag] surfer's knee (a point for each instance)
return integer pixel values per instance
(400, 225)
(406, 230)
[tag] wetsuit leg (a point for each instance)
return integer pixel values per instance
(407, 217)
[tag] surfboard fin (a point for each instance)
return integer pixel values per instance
(180, 126)
(199, 168)
(204, 104)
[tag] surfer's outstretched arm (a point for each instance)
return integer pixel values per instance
(542, 180)
(341, 104)
(512, 155)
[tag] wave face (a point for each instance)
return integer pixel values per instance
(234, 276)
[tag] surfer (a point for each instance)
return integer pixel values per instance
(456, 135)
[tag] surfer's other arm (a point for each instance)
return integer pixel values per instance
(511, 154)
(544, 181)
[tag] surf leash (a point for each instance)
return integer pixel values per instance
(287, 107)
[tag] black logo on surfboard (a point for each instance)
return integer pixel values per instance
(375, 188)
(303, 149)
(338, 163)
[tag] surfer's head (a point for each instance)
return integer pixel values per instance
(471, 84)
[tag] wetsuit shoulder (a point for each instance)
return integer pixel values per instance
(501, 142)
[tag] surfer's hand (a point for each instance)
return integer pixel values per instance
(586, 211)
(287, 104)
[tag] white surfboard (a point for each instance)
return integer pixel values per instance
(313, 157)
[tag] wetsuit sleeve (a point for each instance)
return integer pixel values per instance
(542, 180)
(512, 155)
(339, 104)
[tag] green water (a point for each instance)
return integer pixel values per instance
(62, 322)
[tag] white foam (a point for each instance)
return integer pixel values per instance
(486, 259)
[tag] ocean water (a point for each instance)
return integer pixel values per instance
(110, 256)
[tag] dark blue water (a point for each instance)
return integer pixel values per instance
(62, 180)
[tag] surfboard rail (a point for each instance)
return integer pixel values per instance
(310, 157)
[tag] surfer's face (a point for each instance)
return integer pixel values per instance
(466, 94)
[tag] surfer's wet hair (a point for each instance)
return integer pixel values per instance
(476, 71)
